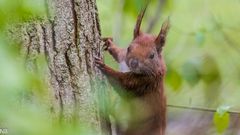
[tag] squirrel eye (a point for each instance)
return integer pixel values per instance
(151, 56)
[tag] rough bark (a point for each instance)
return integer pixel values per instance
(70, 39)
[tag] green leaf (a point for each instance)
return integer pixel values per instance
(223, 109)
(174, 79)
(209, 70)
(221, 121)
(190, 72)
(221, 118)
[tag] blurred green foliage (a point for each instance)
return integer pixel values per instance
(14, 11)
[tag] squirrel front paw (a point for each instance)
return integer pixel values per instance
(108, 43)
(99, 63)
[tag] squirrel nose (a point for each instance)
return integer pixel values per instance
(134, 63)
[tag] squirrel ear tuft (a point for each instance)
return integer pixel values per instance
(161, 38)
(137, 30)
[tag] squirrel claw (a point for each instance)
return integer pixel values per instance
(99, 62)
(105, 47)
(108, 43)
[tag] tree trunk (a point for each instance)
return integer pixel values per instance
(70, 40)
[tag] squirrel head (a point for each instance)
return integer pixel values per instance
(144, 52)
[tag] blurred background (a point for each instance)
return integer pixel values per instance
(202, 54)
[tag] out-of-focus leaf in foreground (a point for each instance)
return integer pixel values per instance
(190, 72)
(174, 79)
(221, 118)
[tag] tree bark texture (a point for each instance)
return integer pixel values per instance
(70, 39)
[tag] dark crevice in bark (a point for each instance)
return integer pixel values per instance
(45, 45)
(88, 64)
(69, 65)
(38, 49)
(75, 21)
(53, 37)
(28, 46)
(71, 74)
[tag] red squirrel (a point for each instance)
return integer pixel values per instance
(143, 82)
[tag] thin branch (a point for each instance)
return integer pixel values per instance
(199, 109)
